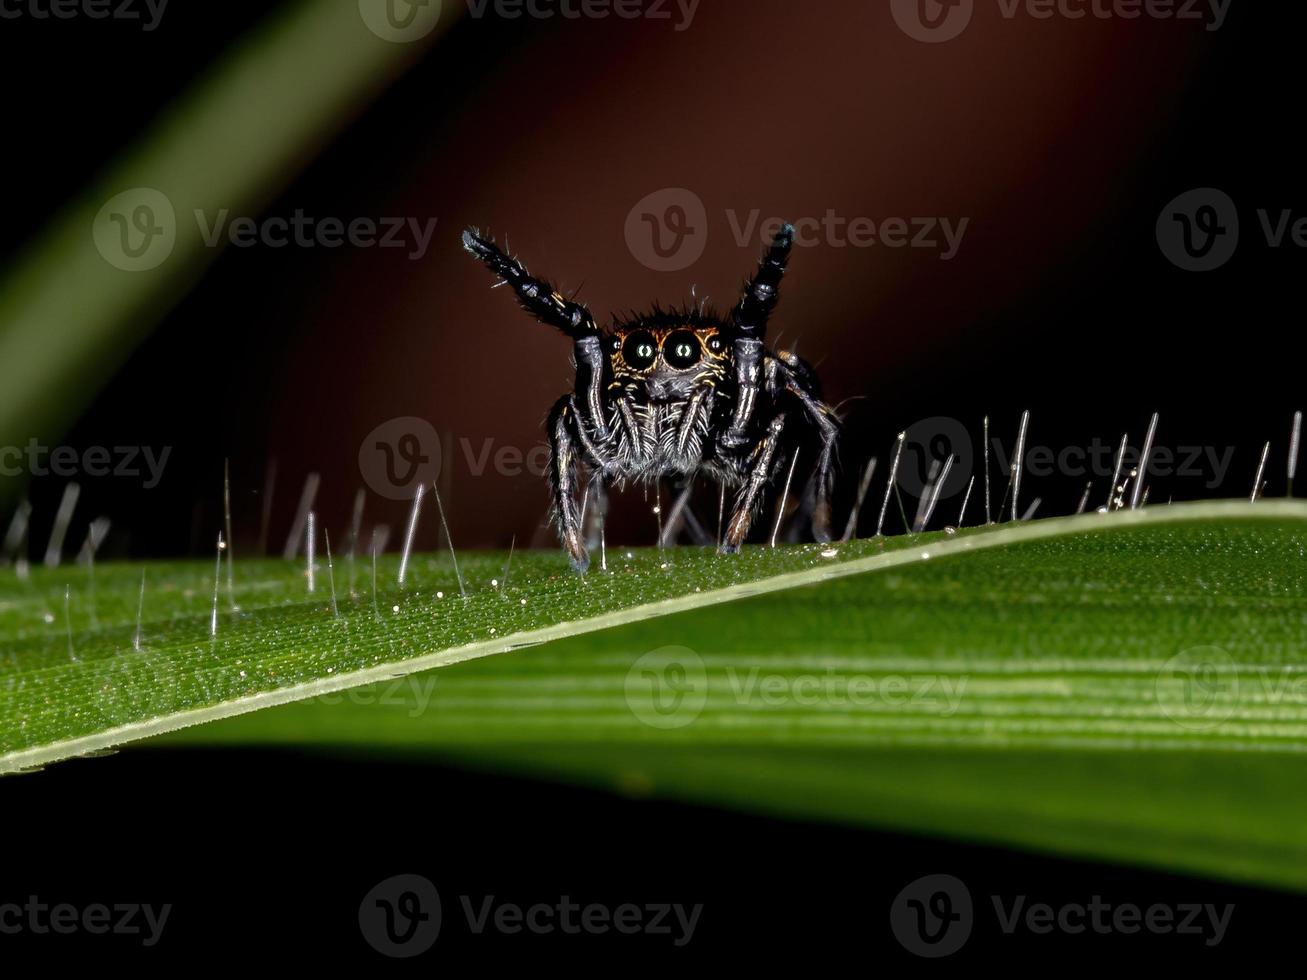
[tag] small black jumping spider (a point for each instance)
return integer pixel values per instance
(676, 393)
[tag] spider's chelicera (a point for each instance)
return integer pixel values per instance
(677, 393)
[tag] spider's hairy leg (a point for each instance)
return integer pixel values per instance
(562, 481)
(795, 376)
(537, 297)
(548, 305)
(597, 495)
(749, 319)
(750, 494)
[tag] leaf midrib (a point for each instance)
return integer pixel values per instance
(968, 542)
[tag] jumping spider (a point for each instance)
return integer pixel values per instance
(676, 393)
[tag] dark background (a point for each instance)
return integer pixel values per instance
(1062, 141)
(269, 855)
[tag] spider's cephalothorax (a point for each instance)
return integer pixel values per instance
(676, 393)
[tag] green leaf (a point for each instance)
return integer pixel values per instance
(1127, 685)
(72, 679)
(1131, 687)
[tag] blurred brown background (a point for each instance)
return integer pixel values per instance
(1056, 140)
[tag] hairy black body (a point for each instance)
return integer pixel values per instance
(676, 393)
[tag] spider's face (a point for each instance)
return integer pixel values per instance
(667, 362)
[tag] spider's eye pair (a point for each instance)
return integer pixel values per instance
(640, 350)
(681, 350)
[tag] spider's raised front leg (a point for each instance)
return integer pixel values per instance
(548, 305)
(750, 494)
(749, 320)
(563, 463)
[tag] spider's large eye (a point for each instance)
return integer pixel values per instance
(681, 349)
(639, 350)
